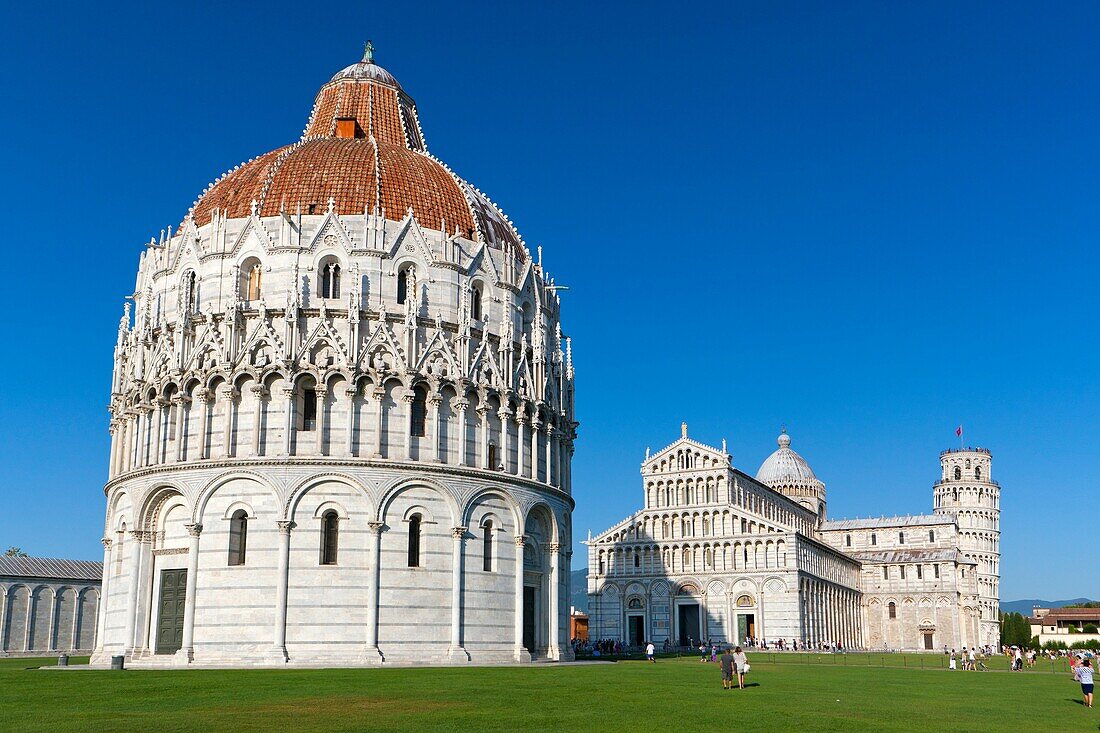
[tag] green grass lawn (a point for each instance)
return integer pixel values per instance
(673, 695)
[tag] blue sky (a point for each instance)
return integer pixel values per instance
(869, 222)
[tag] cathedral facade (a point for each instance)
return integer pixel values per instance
(341, 415)
(717, 554)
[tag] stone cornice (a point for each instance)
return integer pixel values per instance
(337, 461)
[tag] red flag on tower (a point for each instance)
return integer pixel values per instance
(959, 431)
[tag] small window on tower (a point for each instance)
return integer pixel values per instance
(931, 535)
(847, 540)
(936, 570)
(893, 608)
(309, 409)
(901, 538)
(885, 572)
(920, 572)
(978, 472)
(902, 569)
(958, 473)
(874, 539)
(418, 413)
(402, 286)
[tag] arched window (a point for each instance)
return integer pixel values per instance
(238, 537)
(637, 560)
(978, 472)
(251, 279)
(402, 286)
(492, 457)
(931, 535)
(901, 538)
(958, 473)
(487, 546)
(414, 541)
(893, 609)
(874, 539)
(475, 303)
(330, 535)
(418, 412)
(601, 564)
(191, 298)
(330, 279)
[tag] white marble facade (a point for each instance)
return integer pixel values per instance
(717, 554)
(340, 434)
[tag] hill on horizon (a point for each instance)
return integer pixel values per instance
(1025, 605)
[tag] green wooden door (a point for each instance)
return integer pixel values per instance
(173, 598)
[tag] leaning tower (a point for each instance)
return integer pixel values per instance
(967, 491)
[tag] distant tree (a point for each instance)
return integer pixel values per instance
(15, 552)
(1091, 629)
(1015, 629)
(1086, 604)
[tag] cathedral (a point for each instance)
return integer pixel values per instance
(717, 554)
(341, 415)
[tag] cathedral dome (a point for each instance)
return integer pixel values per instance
(362, 151)
(784, 467)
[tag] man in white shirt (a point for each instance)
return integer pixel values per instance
(649, 653)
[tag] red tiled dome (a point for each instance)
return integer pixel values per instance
(362, 148)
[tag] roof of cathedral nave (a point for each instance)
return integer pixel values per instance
(784, 467)
(910, 520)
(363, 149)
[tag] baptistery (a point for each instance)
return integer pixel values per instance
(341, 415)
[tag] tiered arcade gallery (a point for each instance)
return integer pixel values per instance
(342, 415)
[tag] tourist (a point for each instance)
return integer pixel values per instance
(742, 664)
(1083, 674)
(702, 652)
(726, 663)
(649, 653)
(951, 662)
(1018, 660)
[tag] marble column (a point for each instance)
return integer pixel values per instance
(322, 395)
(204, 397)
(536, 425)
(379, 397)
(462, 406)
(229, 397)
(28, 618)
(187, 652)
(483, 442)
(282, 580)
(161, 431)
(519, 652)
(181, 402)
(257, 418)
(349, 434)
(104, 589)
(288, 417)
(521, 443)
(132, 596)
(457, 652)
(408, 397)
(371, 653)
(51, 633)
(437, 454)
(553, 649)
(505, 416)
(112, 464)
(551, 474)
(78, 611)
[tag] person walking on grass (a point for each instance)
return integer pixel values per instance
(1083, 674)
(726, 663)
(742, 664)
(649, 653)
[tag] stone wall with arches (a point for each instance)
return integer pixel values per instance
(47, 606)
(326, 569)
